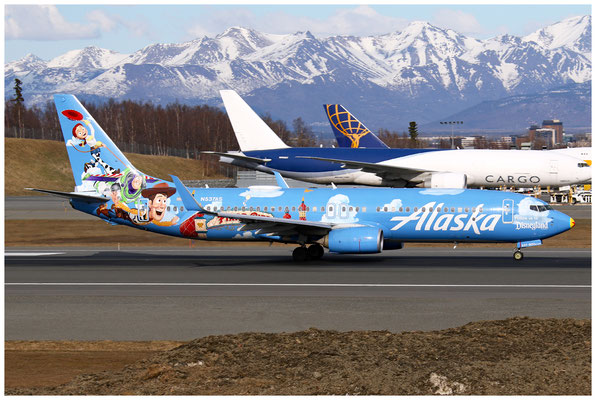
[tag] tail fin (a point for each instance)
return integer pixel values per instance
(97, 164)
(251, 131)
(348, 131)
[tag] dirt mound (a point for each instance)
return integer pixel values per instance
(513, 356)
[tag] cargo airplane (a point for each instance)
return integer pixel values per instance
(262, 150)
(354, 220)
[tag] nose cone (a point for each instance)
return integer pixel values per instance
(571, 222)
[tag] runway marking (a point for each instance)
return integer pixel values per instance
(30, 254)
(291, 284)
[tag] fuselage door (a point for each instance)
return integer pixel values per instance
(507, 211)
(554, 168)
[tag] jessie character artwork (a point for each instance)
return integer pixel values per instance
(83, 134)
(158, 198)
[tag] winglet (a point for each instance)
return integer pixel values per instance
(281, 182)
(190, 203)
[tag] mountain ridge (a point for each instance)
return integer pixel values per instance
(426, 71)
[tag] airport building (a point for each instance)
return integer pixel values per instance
(549, 135)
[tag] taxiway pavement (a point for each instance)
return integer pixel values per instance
(181, 294)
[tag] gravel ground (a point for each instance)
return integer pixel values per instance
(517, 356)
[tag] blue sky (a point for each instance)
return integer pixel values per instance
(51, 30)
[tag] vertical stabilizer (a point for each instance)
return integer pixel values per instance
(98, 166)
(251, 131)
(348, 131)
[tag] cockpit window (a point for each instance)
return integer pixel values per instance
(540, 208)
(582, 165)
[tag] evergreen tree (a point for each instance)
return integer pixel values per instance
(18, 91)
(413, 131)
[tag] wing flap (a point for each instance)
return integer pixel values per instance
(382, 170)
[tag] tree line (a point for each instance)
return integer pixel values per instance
(142, 127)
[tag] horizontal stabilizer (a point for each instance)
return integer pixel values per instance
(73, 195)
(238, 156)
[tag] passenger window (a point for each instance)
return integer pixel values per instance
(235, 208)
(331, 212)
(168, 208)
(385, 209)
(314, 208)
(423, 209)
(243, 208)
(357, 209)
(430, 209)
(287, 209)
(363, 209)
(459, 209)
(401, 209)
(322, 209)
(452, 209)
(175, 209)
(467, 209)
(294, 208)
(378, 209)
(181, 208)
(415, 209)
(407, 209)
(351, 208)
(250, 209)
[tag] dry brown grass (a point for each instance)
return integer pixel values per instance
(44, 164)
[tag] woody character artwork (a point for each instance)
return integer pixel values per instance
(158, 201)
(83, 134)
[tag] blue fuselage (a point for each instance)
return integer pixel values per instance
(434, 215)
(288, 159)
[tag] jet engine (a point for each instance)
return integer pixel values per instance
(451, 180)
(391, 244)
(365, 239)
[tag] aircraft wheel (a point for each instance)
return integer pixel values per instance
(315, 251)
(518, 255)
(300, 254)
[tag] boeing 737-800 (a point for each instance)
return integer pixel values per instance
(262, 150)
(356, 220)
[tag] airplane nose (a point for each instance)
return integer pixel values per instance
(571, 222)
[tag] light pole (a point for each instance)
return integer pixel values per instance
(451, 123)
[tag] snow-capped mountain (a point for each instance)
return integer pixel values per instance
(421, 73)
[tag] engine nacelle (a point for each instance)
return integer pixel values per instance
(363, 239)
(451, 180)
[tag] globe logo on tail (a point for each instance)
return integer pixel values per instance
(345, 123)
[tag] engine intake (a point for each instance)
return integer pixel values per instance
(363, 239)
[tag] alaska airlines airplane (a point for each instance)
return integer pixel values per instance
(356, 220)
(262, 150)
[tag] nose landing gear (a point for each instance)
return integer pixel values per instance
(313, 252)
(518, 255)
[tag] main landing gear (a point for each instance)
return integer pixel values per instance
(313, 252)
(518, 255)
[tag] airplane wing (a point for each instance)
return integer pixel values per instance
(387, 172)
(239, 156)
(270, 225)
(73, 195)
